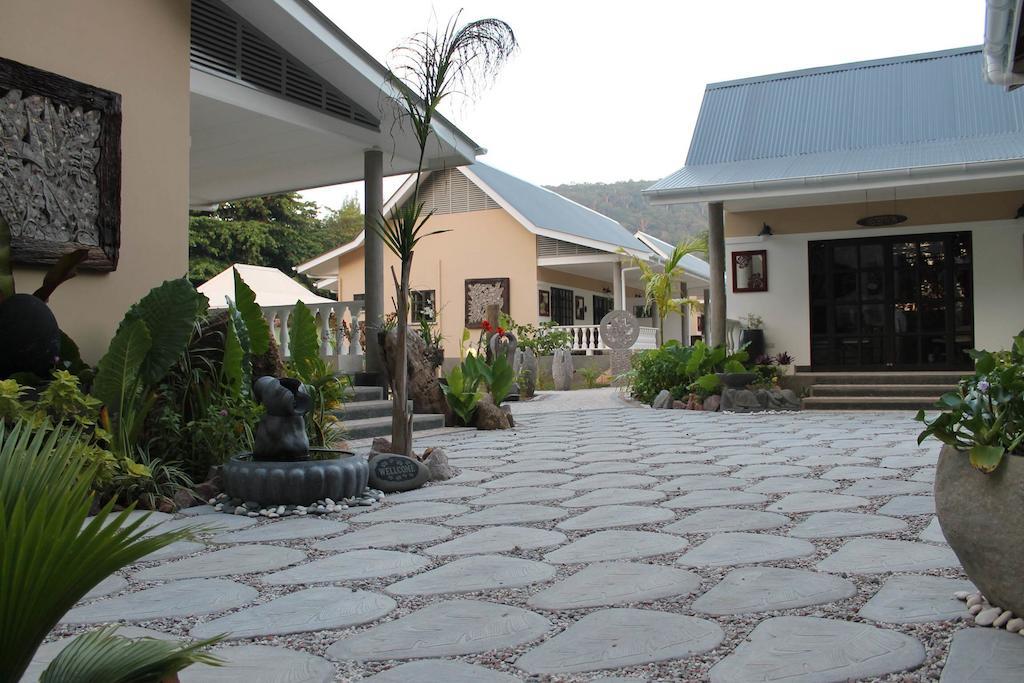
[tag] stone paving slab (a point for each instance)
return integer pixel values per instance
(774, 485)
(610, 516)
(735, 548)
(687, 468)
(917, 599)
(909, 506)
(614, 496)
(879, 555)
(528, 479)
(174, 550)
(455, 627)
(470, 477)
(701, 483)
(386, 535)
(841, 524)
(814, 502)
(521, 495)
(615, 583)
(605, 481)
(979, 655)
(854, 472)
(933, 532)
(616, 638)
(191, 597)
(112, 584)
(752, 459)
(476, 573)
(616, 545)
(356, 564)
(886, 487)
(813, 650)
(610, 466)
(440, 670)
(440, 492)
(261, 664)
(905, 461)
(726, 519)
(715, 498)
(285, 530)
(763, 589)
(762, 471)
(824, 460)
(509, 514)
(671, 457)
(535, 465)
(498, 539)
(241, 559)
(926, 475)
(312, 609)
(411, 511)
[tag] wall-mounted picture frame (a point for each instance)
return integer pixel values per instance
(544, 303)
(60, 167)
(750, 271)
(581, 308)
(424, 307)
(482, 292)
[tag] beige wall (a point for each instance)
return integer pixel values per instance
(998, 255)
(140, 50)
(991, 206)
(481, 244)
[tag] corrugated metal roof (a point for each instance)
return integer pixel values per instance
(915, 111)
(690, 263)
(550, 210)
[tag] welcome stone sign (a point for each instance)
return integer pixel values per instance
(391, 473)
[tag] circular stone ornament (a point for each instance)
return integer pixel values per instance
(619, 330)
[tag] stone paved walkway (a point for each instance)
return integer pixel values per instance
(623, 543)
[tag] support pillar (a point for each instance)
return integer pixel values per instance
(617, 288)
(373, 259)
(715, 322)
(685, 313)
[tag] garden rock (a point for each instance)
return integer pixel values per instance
(562, 369)
(489, 416)
(663, 401)
(390, 472)
(423, 386)
(436, 460)
(184, 499)
(713, 403)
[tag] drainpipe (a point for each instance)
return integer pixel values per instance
(1000, 41)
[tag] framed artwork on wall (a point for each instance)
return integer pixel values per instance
(482, 292)
(581, 308)
(544, 303)
(60, 167)
(423, 306)
(750, 271)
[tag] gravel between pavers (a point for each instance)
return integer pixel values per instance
(641, 434)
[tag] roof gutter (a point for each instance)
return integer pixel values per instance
(1002, 27)
(864, 180)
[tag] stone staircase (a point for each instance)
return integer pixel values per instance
(367, 414)
(874, 390)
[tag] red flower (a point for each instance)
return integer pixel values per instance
(486, 325)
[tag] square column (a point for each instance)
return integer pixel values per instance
(714, 323)
(618, 288)
(373, 258)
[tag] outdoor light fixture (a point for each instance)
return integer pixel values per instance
(766, 231)
(882, 220)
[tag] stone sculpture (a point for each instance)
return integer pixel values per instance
(505, 344)
(562, 369)
(281, 432)
(525, 367)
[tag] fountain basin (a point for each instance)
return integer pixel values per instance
(297, 483)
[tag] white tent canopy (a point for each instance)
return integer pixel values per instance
(271, 286)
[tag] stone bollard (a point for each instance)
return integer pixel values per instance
(562, 369)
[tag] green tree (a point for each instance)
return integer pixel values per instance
(658, 282)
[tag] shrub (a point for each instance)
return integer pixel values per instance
(542, 339)
(658, 369)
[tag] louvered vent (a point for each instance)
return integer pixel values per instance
(227, 45)
(548, 246)
(450, 191)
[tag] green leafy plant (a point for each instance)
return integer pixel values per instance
(661, 282)
(682, 370)
(326, 388)
(985, 415)
(51, 555)
(590, 375)
(462, 393)
(435, 65)
(542, 339)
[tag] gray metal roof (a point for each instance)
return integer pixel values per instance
(909, 112)
(690, 263)
(550, 210)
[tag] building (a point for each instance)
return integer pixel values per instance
(219, 99)
(868, 212)
(543, 258)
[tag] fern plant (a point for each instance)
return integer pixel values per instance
(51, 555)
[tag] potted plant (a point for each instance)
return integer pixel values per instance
(979, 483)
(752, 336)
(785, 363)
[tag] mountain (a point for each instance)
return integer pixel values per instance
(625, 202)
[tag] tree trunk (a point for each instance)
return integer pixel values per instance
(401, 421)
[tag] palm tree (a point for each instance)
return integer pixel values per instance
(658, 282)
(428, 69)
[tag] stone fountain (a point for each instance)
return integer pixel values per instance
(282, 468)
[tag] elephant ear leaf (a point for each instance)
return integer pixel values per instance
(252, 314)
(117, 380)
(170, 311)
(234, 364)
(303, 340)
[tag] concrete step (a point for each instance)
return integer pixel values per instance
(371, 427)
(869, 402)
(356, 394)
(880, 390)
(359, 410)
(945, 378)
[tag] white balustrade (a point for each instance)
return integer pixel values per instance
(587, 338)
(338, 346)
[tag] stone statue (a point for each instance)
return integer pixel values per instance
(281, 432)
(505, 344)
(525, 367)
(562, 369)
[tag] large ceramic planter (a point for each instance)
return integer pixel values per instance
(980, 515)
(296, 483)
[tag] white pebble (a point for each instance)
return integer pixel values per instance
(1002, 619)
(974, 609)
(253, 514)
(240, 510)
(975, 600)
(301, 512)
(961, 595)
(328, 502)
(1015, 625)
(987, 616)
(212, 501)
(321, 508)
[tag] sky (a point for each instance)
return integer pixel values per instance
(602, 91)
